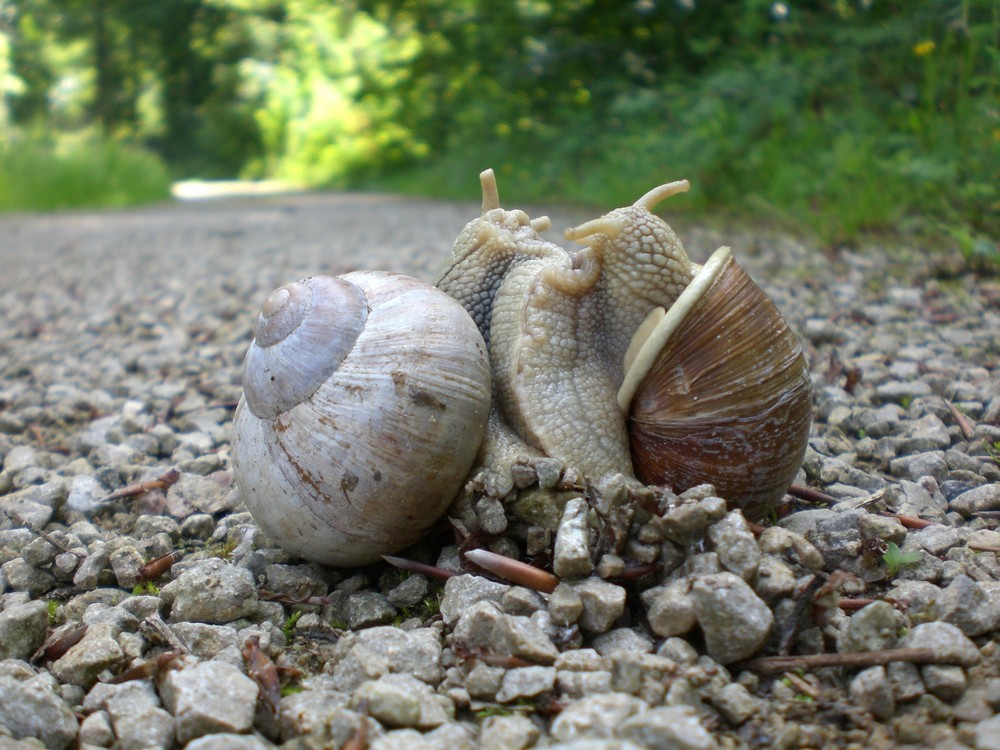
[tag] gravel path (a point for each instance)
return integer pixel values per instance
(123, 335)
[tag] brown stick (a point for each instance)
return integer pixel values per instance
(983, 547)
(802, 686)
(968, 431)
(418, 567)
(162, 482)
(853, 605)
(911, 522)
(158, 566)
(811, 495)
(514, 571)
(770, 664)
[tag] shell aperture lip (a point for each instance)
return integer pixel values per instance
(641, 362)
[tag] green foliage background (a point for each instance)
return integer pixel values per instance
(835, 117)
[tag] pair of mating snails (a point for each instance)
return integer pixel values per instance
(371, 399)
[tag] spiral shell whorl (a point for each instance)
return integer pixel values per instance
(304, 331)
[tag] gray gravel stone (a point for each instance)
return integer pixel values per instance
(97, 651)
(946, 681)
(936, 539)
(23, 577)
(519, 636)
(508, 733)
(461, 592)
(401, 700)
(87, 575)
(321, 712)
(525, 682)
(736, 546)
(775, 579)
(571, 558)
(919, 465)
(565, 605)
(209, 697)
(977, 500)
(603, 603)
(96, 729)
(988, 734)
(670, 608)
(409, 592)
(734, 620)
(34, 506)
(204, 640)
(225, 741)
(969, 607)
(667, 728)
(944, 639)
(475, 629)
(214, 591)
(872, 628)
(137, 717)
(125, 563)
(374, 652)
(31, 707)
(596, 716)
(928, 433)
(735, 703)
(905, 680)
(366, 609)
(22, 630)
(870, 690)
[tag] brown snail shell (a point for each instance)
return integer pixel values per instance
(717, 390)
(365, 402)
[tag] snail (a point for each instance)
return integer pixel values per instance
(623, 361)
(626, 359)
(359, 419)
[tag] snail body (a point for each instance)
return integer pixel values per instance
(623, 360)
(365, 403)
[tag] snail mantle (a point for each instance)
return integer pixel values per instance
(526, 376)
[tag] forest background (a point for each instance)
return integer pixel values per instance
(835, 118)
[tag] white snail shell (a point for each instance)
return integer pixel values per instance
(365, 403)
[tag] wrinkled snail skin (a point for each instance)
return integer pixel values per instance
(563, 329)
(348, 449)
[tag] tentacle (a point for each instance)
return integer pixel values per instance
(541, 224)
(606, 225)
(491, 196)
(657, 194)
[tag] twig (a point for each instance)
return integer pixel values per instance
(359, 737)
(790, 626)
(983, 547)
(513, 570)
(58, 643)
(317, 601)
(968, 431)
(418, 567)
(162, 482)
(770, 664)
(911, 522)
(853, 605)
(263, 671)
(803, 686)
(158, 566)
(811, 495)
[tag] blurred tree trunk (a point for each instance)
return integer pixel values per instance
(106, 78)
